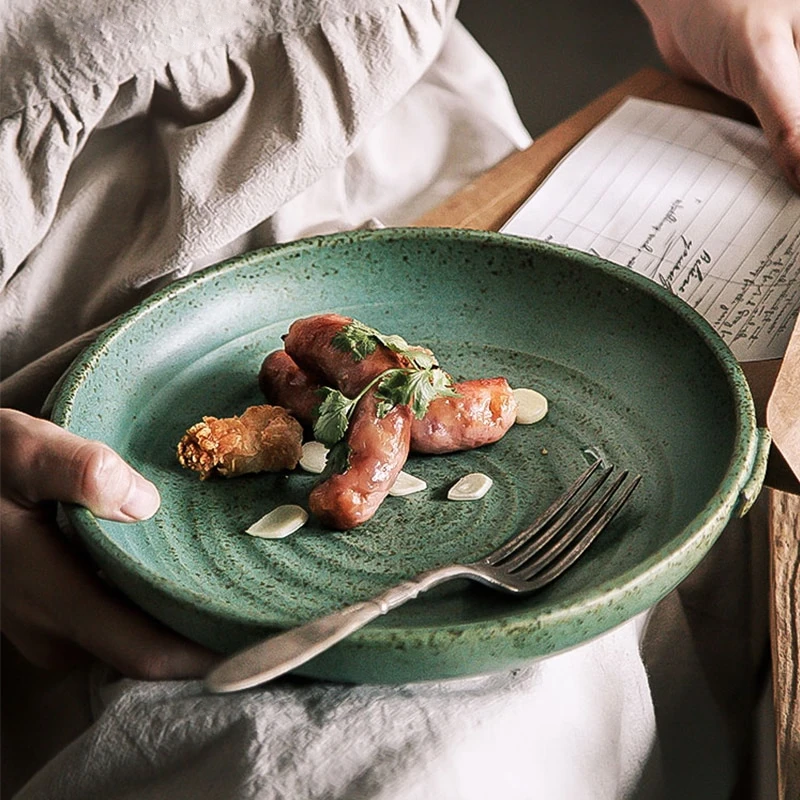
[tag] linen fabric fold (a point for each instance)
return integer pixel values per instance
(141, 141)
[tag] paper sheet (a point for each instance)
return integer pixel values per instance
(693, 201)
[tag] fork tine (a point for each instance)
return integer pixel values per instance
(512, 545)
(585, 532)
(524, 565)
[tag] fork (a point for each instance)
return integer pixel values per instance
(528, 561)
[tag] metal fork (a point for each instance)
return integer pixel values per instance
(528, 561)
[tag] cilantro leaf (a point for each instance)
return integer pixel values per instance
(333, 416)
(421, 358)
(394, 342)
(427, 385)
(357, 339)
(360, 340)
(338, 460)
(412, 387)
(393, 390)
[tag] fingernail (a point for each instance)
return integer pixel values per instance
(143, 499)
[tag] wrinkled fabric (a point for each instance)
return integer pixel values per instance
(550, 730)
(659, 708)
(142, 174)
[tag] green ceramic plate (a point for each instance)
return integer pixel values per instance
(631, 373)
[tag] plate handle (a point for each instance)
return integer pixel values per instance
(752, 487)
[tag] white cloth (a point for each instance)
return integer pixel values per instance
(497, 736)
(140, 141)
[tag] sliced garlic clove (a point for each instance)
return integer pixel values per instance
(407, 484)
(531, 406)
(314, 457)
(279, 522)
(471, 487)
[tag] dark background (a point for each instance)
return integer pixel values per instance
(557, 55)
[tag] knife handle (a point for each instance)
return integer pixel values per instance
(279, 654)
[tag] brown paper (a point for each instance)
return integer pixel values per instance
(783, 419)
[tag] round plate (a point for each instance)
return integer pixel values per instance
(631, 374)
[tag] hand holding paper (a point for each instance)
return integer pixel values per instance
(691, 200)
(745, 48)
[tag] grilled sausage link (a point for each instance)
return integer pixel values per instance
(481, 413)
(286, 385)
(378, 450)
(310, 343)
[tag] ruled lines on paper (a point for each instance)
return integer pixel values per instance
(694, 202)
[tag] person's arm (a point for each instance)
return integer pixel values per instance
(55, 609)
(745, 48)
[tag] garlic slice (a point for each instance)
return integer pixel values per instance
(471, 487)
(279, 522)
(531, 406)
(314, 457)
(407, 484)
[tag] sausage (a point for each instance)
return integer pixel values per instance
(378, 449)
(309, 342)
(284, 384)
(481, 413)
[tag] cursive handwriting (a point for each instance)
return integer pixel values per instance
(670, 217)
(766, 302)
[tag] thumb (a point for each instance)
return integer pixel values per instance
(42, 461)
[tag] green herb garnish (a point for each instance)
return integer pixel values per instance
(357, 339)
(338, 459)
(333, 416)
(360, 341)
(414, 386)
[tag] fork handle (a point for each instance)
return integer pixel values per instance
(279, 654)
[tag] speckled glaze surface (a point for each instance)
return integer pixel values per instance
(630, 372)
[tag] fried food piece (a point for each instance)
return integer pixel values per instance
(264, 438)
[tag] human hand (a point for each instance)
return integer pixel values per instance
(55, 609)
(744, 48)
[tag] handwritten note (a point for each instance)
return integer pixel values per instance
(694, 202)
